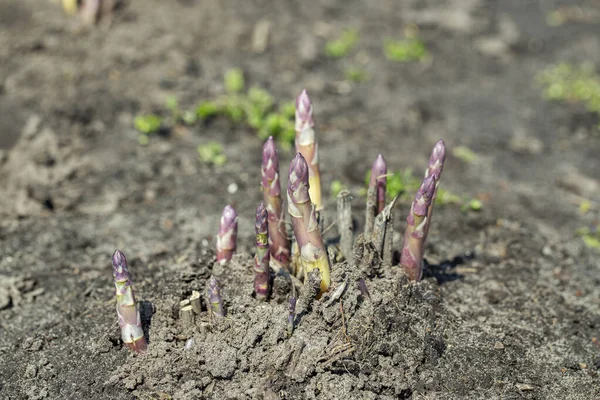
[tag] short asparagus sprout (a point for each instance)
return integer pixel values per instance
(127, 309)
(262, 257)
(214, 297)
(313, 254)
(379, 181)
(227, 238)
(306, 144)
(375, 193)
(411, 257)
(279, 245)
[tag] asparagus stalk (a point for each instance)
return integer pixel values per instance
(307, 145)
(127, 309)
(279, 245)
(379, 181)
(411, 257)
(435, 168)
(375, 194)
(227, 238)
(214, 297)
(313, 254)
(261, 259)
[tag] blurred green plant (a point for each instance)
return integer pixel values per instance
(336, 187)
(256, 107)
(569, 83)
(148, 123)
(212, 153)
(234, 80)
(465, 154)
(591, 237)
(411, 49)
(343, 45)
(356, 74)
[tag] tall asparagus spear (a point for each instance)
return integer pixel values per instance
(435, 167)
(261, 259)
(411, 257)
(279, 245)
(227, 238)
(307, 145)
(304, 220)
(127, 309)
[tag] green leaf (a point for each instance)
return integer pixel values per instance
(336, 187)
(148, 124)
(171, 103)
(465, 154)
(234, 80)
(207, 109)
(343, 45)
(405, 50)
(212, 153)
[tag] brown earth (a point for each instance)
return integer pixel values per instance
(509, 308)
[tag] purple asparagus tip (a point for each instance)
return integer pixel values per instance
(119, 263)
(379, 180)
(436, 161)
(298, 180)
(270, 167)
(424, 196)
(214, 297)
(227, 237)
(228, 219)
(304, 111)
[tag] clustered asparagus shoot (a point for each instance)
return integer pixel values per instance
(227, 238)
(127, 309)
(214, 297)
(306, 144)
(312, 251)
(420, 215)
(262, 257)
(279, 244)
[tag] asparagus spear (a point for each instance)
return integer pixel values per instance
(279, 245)
(411, 257)
(304, 220)
(127, 309)
(261, 259)
(214, 297)
(435, 167)
(307, 145)
(379, 181)
(375, 194)
(227, 238)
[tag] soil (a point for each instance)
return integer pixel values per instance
(510, 304)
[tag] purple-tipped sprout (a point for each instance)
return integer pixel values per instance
(435, 168)
(227, 238)
(262, 257)
(127, 309)
(306, 144)
(214, 297)
(313, 253)
(379, 181)
(279, 245)
(411, 257)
